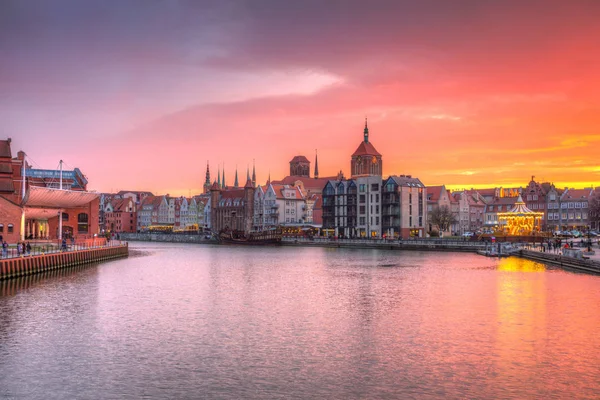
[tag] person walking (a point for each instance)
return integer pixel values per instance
(28, 248)
(4, 249)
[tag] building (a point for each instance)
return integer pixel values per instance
(120, 215)
(51, 203)
(404, 207)
(574, 209)
(368, 206)
(232, 208)
(437, 197)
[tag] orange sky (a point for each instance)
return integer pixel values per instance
(140, 96)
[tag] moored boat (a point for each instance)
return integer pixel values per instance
(268, 237)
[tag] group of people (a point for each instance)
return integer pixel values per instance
(22, 248)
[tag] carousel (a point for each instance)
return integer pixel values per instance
(521, 221)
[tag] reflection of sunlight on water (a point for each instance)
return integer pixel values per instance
(520, 265)
(521, 316)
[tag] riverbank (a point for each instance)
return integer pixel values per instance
(429, 244)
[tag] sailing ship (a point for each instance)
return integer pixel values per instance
(268, 237)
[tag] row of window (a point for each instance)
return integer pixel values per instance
(10, 228)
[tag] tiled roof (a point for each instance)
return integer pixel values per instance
(407, 180)
(365, 149)
(434, 192)
(299, 159)
(309, 183)
(7, 185)
(577, 194)
(5, 149)
(232, 194)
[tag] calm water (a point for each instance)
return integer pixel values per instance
(194, 322)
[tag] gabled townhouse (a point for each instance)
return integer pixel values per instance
(476, 210)
(437, 197)
(459, 204)
(552, 218)
(574, 209)
(497, 205)
(121, 215)
(340, 208)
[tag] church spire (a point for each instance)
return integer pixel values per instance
(219, 176)
(316, 165)
(366, 132)
(236, 183)
(248, 174)
(253, 174)
(207, 180)
(224, 183)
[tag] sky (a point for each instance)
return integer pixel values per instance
(140, 95)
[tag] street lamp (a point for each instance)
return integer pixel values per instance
(589, 242)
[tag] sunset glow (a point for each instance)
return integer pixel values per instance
(141, 94)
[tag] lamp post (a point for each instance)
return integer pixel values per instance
(589, 242)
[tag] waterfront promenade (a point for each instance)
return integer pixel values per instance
(49, 257)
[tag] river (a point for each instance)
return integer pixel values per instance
(183, 321)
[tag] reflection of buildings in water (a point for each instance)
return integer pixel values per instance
(521, 316)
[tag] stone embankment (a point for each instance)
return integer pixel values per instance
(563, 261)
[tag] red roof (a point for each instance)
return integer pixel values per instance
(366, 149)
(299, 159)
(578, 194)
(5, 148)
(434, 192)
(309, 183)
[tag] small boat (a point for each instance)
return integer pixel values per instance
(489, 253)
(270, 237)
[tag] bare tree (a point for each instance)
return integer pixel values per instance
(442, 217)
(594, 211)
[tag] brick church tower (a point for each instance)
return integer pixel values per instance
(366, 161)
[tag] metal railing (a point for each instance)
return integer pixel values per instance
(56, 247)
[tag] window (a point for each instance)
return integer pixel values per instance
(65, 216)
(82, 223)
(376, 220)
(362, 209)
(10, 228)
(362, 188)
(362, 198)
(362, 220)
(1, 228)
(375, 187)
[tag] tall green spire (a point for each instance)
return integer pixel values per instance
(316, 165)
(366, 132)
(224, 183)
(253, 174)
(236, 183)
(219, 176)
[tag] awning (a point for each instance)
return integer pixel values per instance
(39, 198)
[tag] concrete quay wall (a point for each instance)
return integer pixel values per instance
(164, 237)
(422, 244)
(575, 264)
(27, 265)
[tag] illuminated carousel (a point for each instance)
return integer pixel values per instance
(521, 221)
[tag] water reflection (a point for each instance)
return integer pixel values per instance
(185, 321)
